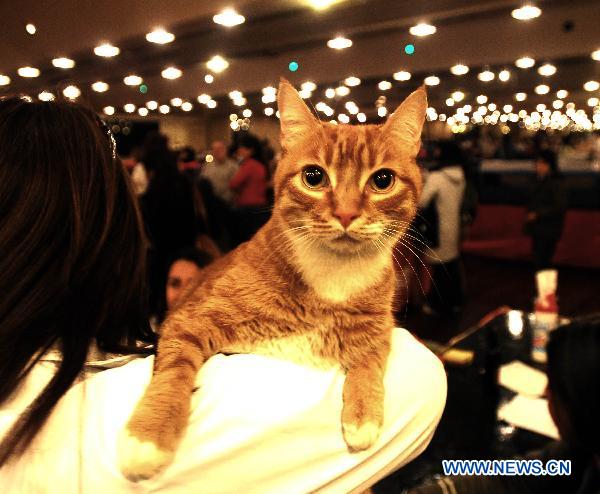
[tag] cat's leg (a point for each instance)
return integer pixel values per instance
(363, 395)
(148, 443)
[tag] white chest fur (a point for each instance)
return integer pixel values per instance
(335, 277)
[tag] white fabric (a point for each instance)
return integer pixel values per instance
(446, 187)
(258, 425)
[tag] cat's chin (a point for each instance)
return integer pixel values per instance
(348, 246)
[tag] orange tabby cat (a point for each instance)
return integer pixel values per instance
(314, 285)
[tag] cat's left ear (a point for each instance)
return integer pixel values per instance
(297, 121)
(404, 126)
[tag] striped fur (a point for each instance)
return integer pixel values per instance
(298, 290)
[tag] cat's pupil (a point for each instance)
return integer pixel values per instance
(383, 179)
(313, 176)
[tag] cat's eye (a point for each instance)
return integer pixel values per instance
(382, 180)
(314, 177)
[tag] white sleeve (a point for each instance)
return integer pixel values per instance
(430, 189)
(258, 424)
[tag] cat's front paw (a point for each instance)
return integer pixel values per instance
(141, 460)
(360, 436)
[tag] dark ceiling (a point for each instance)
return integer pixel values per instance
(476, 33)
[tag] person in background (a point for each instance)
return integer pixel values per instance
(187, 163)
(220, 171)
(168, 210)
(130, 159)
(183, 271)
(444, 188)
(250, 187)
(574, 402)
(213, 184)
(546, 211)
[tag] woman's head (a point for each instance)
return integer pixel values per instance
(573, 370)
(248, 146)
(546, 164)
(183, 271)
(72, 262)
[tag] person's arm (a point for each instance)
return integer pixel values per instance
(557, 205)
(240, 177)
(430, 189)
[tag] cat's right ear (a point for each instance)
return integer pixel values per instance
(296, 120)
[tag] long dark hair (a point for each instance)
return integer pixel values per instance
(72, 250)
(573, 369)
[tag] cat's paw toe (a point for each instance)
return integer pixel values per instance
(359, 437)
(141, 460)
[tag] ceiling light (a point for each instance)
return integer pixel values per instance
(342, 117)
(591, 86)
(176, 101)
(542, 89)
(557, 104)
(459, 69)
(321, 4)
(187, 106)
(304, 94)
(521, 96)
(269, 98)
(133, 80)
(171, 73)
(239, 101)
(204, 99)
(71, 92)
(236, 94)
(209, 78)
(152, 105)
(486, 76)
(492, 107)
(547, 70)
(328, 111)
(596, 55)
(525, 62)
(504, 75)
(481, 99)
(247, 113)
(31, 29)
(269, 90)
(217, 64)
(212, 104)
(269, 111)
(160, 37)
(507, 108)
(361, 117)
(129, 107)
(562, 94)
(458, 95)
(330, 93)
(143, 111)
(46, 96)
(449, 102)
(164, 109)
(28, 72)
(526, 13)
(422, 29)
(63, 63)
(4, 80)
(384, 85)
(593, 102)
(106, 50)
(342, 91)
(352, 81)
(432, 80)
(402, 75)
(109, 110)
(100, 87)
(339, 43)
(308, 86)
(382, 111)
(229, 18)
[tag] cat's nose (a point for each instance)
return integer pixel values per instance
(345, 217)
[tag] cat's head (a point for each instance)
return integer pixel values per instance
(347, 188)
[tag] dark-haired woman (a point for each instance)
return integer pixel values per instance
(72, 279)
(547, 209)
